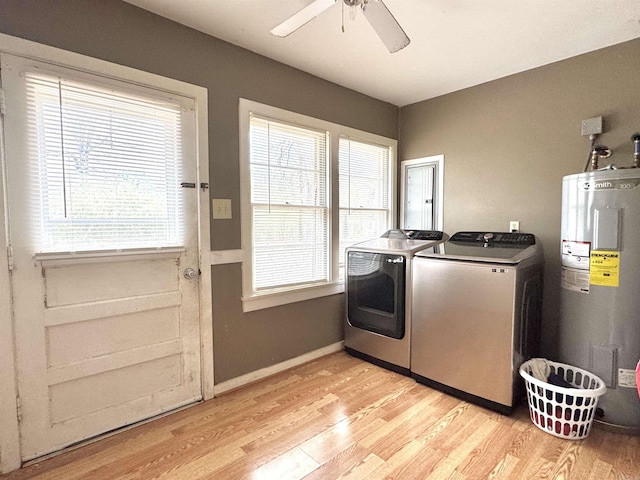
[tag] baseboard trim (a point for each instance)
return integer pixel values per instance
(272, 370)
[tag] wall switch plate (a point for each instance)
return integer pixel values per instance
(514, 226)
(221, 208)
(592, 126)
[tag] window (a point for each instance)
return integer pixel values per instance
(364, 192)
(310, 188)
(422, 181)
(106, 165)
(289, 206)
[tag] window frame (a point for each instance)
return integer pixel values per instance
(252, 300)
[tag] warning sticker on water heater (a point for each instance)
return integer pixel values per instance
(574, 279)
(626, 378)
(576, 254)
(604, 268)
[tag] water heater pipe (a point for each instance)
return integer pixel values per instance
(635, 138)
(598, 152)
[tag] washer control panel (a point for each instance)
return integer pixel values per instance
(495, 238)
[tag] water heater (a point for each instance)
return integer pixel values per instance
(599, 328)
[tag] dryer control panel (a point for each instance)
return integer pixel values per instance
(424, 234)
(495, 238)
(414, 234)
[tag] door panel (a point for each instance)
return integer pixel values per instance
(88, 366)
(111, 334)
(77, 284)
(103, 339)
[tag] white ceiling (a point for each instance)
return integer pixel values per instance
(454, 43)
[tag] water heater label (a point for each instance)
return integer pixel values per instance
(626, 378)
(576, 254)
(577, 249)
(613, 184)
(604, 268)
(574, 279)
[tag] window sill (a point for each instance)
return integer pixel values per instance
(268, 300)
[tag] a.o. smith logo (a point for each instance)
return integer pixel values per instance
(621, 184)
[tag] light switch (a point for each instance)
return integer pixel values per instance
(221, 208)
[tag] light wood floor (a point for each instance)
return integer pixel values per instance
(340, 417)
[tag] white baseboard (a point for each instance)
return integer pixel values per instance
(272, 370)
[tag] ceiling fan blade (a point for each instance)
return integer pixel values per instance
(385, 25)
(305, 15)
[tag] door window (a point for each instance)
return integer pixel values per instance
(422, 189)
(105, 167)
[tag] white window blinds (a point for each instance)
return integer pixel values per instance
(365, 207)
(289, 207)
(106, 167)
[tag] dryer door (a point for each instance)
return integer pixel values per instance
(376, 292)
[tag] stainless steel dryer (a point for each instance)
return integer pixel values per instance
(378, 292)
(476, 315)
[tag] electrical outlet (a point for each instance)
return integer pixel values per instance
(514, 226)
(221, 208)
(592, 126)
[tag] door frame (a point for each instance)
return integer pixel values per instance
(10, 456)
(438, 162)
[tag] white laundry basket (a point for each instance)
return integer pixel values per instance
(563, 412)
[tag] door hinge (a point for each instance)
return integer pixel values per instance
(19, 409)
(10, 257)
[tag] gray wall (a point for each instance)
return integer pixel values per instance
(508, 143)
(118, 32)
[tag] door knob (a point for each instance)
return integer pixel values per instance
(191, 274)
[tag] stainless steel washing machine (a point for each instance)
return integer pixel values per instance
(378, 293)
(476, 315)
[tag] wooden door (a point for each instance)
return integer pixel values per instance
(104, 337)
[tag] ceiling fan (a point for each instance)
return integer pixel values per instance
(375, 11)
